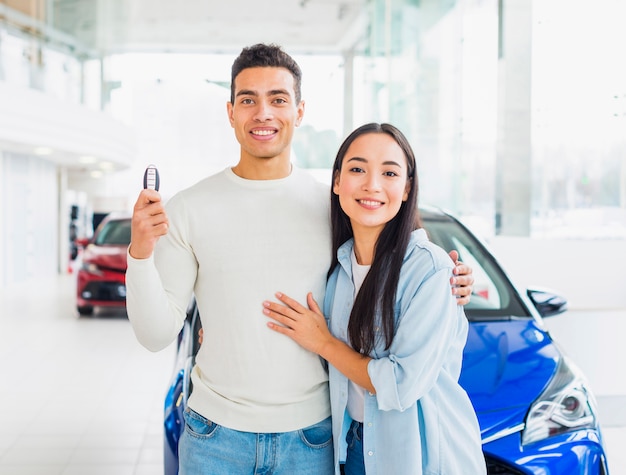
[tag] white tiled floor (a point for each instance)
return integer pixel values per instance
(80, 396)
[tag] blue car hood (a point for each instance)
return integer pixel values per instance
(506, 365)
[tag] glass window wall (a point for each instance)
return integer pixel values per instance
(432, 68)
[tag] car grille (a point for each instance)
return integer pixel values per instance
(110, 291)
(113, 269)
(498, 467)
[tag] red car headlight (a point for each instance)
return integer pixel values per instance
(92, 268)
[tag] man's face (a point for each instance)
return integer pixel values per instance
(265, 113)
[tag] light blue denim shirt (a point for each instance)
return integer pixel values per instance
(420, 421)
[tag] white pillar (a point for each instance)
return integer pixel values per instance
(63, 227)
(3, 224)
(348, 92)
(514, 157)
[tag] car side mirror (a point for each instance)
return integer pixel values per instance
(546, 302)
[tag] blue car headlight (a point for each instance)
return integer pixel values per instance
(566, 405)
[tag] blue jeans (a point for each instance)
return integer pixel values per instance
(355, 464)
(206, 448)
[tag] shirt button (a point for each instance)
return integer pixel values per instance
(370, 453)
(369, 424)
(370, 393)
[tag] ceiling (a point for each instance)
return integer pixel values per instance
(300, 26)
(102, 27)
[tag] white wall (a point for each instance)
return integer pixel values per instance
(29, 196)
(32, 119)
(589, 273)
(33, 236)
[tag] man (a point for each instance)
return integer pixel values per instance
(260, 402)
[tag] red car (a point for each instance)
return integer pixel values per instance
(101, 276)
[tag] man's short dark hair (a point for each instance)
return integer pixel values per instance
(266, 55)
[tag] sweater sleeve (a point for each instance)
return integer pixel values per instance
(159, 288)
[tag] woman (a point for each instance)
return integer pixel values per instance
(395, 334)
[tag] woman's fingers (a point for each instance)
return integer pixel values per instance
(279, 312)
(291, 303)
(289, 311)
(313, 303)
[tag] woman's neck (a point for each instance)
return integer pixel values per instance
(364, 246)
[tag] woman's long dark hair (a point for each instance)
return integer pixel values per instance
(378, 292)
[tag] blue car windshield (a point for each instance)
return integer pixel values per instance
(493, 297)
(115, 232)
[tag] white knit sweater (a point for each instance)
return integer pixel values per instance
(234, 243)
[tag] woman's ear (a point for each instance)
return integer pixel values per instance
(336, 182)
(407, 189)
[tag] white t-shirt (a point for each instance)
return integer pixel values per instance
(356, 394)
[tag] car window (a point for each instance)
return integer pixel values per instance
(493, 295)
(114, 233)
(486, 293)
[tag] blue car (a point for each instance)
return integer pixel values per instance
(536, 411)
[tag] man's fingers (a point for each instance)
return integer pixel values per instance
(464, 291)
(149, 230)
(454, 255)
(146, 198)
(465, 280)
(150, 196)
(149, 223)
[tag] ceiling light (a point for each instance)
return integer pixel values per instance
(87, 159)
(42, 151)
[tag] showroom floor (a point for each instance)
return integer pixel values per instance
(80, 396)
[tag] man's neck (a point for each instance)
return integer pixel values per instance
(263, 169)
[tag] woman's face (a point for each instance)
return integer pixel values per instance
(373, 181)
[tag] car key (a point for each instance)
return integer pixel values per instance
(151, 178)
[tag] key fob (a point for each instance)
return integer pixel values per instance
(151, 178)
